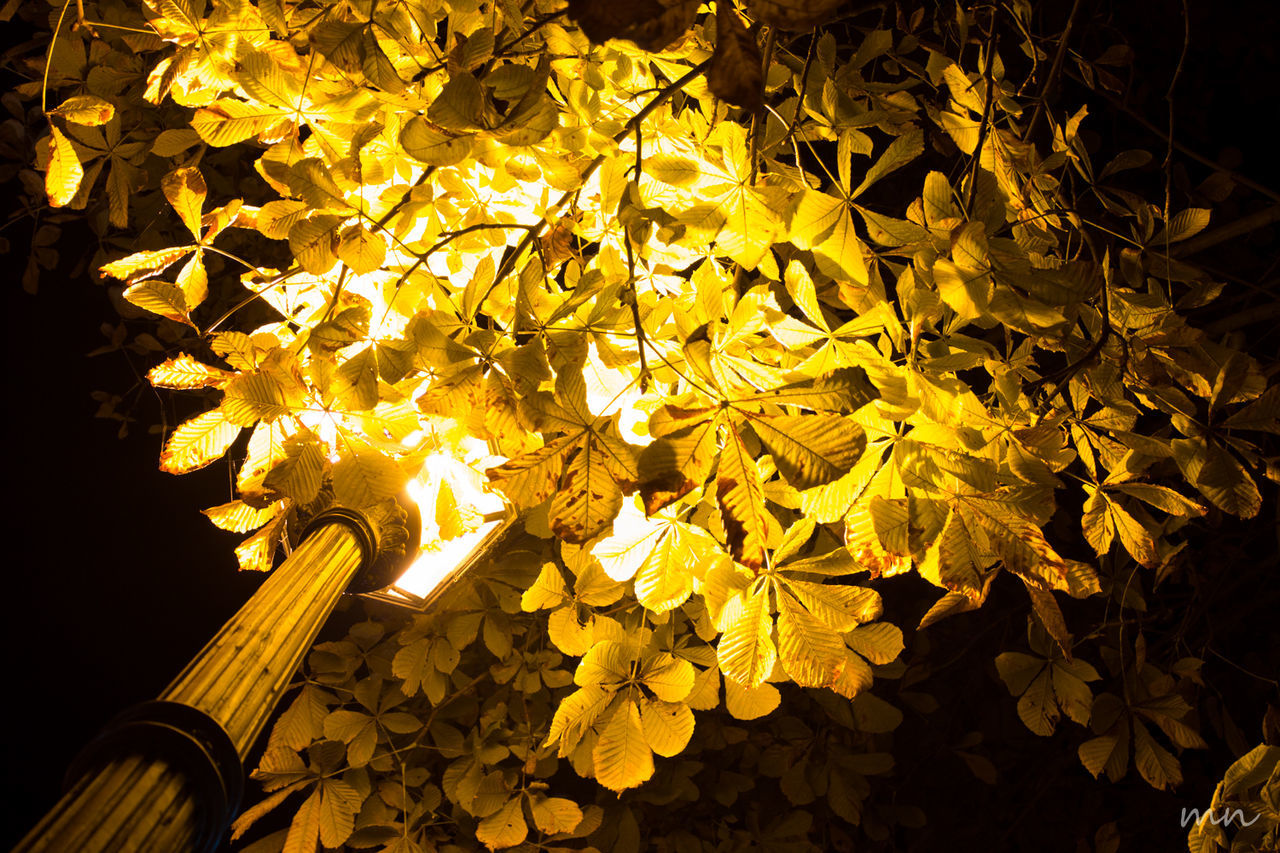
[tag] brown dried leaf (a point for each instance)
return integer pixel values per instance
(735, 75)
(651, 24)
(793, 14)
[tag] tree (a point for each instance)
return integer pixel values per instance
(746, 311)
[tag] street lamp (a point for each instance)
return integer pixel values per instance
(167, 775)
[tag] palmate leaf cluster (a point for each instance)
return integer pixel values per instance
(731, 366)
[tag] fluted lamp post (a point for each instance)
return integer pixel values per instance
(166, 775)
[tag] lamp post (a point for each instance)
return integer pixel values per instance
(167, 775)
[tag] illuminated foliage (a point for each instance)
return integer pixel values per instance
(752, 307)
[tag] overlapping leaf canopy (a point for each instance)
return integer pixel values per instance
(723, 360)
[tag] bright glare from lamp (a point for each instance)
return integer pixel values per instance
(459, 519)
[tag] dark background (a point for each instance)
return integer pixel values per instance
(115, 579)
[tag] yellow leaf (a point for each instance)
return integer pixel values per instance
(1037, 707)
(670, 678)
(665, 579)
(705, 695)
(366, 477)
(64, 172)
(840, 255)
(239, 517)
(228, 121)
(622, 756)
(814, 218)
(251, 397)
(160, 297)
(1108, 752)
(1218, 476)
(840, 606)
(361, 250)
(667, 725)
(298, 476)
(85, 109)
(182, 372)
(555, 814)
(853, 678)
(746, 652)
(186, 191)
(676, 171)
(143, 265)
(198, 442)
(626, 548)
(193, 281)
(1097, 524)
(879, 642)
(750, 703)
(587, 499)
(891, 522)
(339, 802)
(304, 829)
(434, 146)
(810, 450)
(900, 152)
(548, 590)
(505, 827)
(953, 561)
(967, 294)
(530, 479)
(747, 521)
(266, 449)
(256, 553)
(808, 649)
(1133, 536)
(677, 464)
(312, 243)
(575, 715)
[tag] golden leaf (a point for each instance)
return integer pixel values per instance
(677, 464)
(239, 517)
(198, 442)
(366, 477)
(505, 827)
(811, 450)
(810, 651)
(182, 372)
(555, 814)
(64, 172)
(361, 249)
(746, 652)
(667, 725)
(85, 109)
(747, 521)
(622, 755)
(186, 191)
(143, 265)
(587, 499)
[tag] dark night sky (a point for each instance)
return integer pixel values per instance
(116, 579)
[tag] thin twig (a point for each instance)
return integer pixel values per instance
(985, 127)
(1054, 71)
(1168, 155)
(633, 300)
